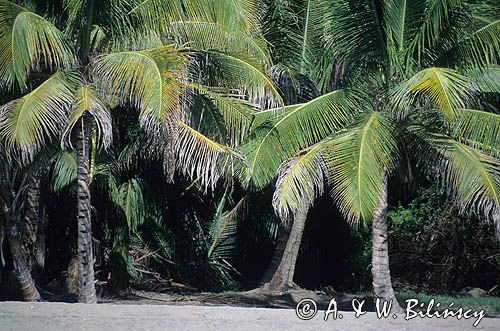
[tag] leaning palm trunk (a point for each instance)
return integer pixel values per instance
(382, 284)
(21, 267)
(283, 276)
(86, 286)
(283, 234)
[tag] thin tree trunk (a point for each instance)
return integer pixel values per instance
(86, 285)
(39, 248)
(21, 267)
(382, 284)
(283, 277)
(31, 217)
(283, 234)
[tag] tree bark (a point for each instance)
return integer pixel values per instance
(21, 267)
(381, 275)
(283, 234)
(32, 228)
(283, 276)
(86, 284)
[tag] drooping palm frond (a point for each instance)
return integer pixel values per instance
(357, 160)
(222, 234)
(299, 127)
(208, 36)
(353, 31)
(129, 198)
(239, 15)
(445, 88)
(27, 41)
(237, 72)
(202, 158)
(64, 171)
(472, 176)
(486, 80)
(88, 102)
(480, 130)
(480, 46)
(27, 122)
(149, 80)
(236, 112)
(300, 181)
(432, 23)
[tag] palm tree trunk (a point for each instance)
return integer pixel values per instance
(283, 234)
(31, 217)
(382, 284)
(86, 286)
(283, 276)
(21, 267)
(39, 248)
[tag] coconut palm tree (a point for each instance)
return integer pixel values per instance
(153, 56)
(394, 98)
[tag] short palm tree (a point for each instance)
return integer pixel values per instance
(151, 55)
(395, 100)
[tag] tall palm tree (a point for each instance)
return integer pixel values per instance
(392, 96)
(150, 55)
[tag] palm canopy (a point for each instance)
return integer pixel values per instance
(150, 55)
(420, 63)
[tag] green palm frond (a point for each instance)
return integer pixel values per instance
(434, 20)
(88, 102)
(129, 198)
(236, 112)
(209, 35)
(480, 130)
(300, 181)
(482, 47)
(27, 122)
(243, 74)
(64, 171)
(202, 158)
(223, 230)
(239, 15)
(28, 40)
(445, 88)
(357, 161)
(149, 80)
(299, 127)
(486, 80)
(472, 176)
(353, 32)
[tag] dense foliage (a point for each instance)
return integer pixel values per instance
(189, 144)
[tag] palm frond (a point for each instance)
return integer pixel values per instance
(64, 171)
(240, 73)
(129, 198)
(300, 181)
(28, 40)
(88, 102)
(299, 127)
(482, 47)
(472, 176)
(209, 35)
(433, 22)
(202, 158)
(149, 80)
(445, 88)
(236, 112)
(223, 230)
(480, 130)
(27, 122)
(357, 161)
